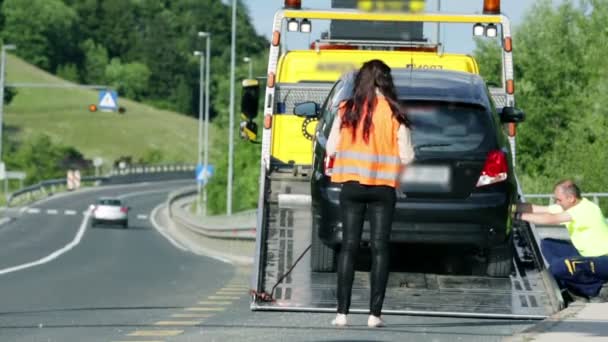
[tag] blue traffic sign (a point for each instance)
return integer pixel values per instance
(108, 100)
(202, 175)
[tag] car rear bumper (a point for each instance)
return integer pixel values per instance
(109, 218)
(482, 219)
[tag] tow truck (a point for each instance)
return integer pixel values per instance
(282, 276)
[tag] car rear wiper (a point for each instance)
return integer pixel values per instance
(431, 145)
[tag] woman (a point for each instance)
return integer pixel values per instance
(370, 140)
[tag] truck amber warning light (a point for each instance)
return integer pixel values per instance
(293, 4)
(491, 7)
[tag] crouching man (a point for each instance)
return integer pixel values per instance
(579, 266)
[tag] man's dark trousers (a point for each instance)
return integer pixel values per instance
(581, 275)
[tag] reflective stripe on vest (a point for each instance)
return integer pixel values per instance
(367, 157)
(365, 173)
(372, 162)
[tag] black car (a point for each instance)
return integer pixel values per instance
(459, 188)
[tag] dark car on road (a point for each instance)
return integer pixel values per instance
(461, 185)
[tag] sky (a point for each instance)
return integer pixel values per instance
(456, 38)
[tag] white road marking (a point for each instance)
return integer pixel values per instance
(4, 220)
(70, 212)
(162, 231)
(142, 217)
(55, 254)
(51, 211)
(75, 241)
(22, 210)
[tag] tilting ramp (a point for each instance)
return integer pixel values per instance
(530, 293)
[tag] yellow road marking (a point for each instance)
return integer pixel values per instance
(198, 308)
(237, 283)
(177, 323)
(162, 333)
(242, 289)
(211, 302)
(224, 297)
(192, 315)
(229, 293)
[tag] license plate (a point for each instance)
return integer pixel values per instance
(426, 179)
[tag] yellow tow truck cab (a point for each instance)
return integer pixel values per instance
(307, 75)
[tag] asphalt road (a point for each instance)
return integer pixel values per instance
(112, 283)
(61, 280)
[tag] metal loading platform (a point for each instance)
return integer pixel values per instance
(529, 293)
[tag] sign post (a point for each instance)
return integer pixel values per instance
(202, 175)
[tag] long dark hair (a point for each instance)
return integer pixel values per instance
(373, 74)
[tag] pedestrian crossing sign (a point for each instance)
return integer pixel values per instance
(108, 100)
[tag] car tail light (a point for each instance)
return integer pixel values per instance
(124, 209)
(329, 164)
(494, 170)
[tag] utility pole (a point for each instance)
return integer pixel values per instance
(199, 151)
(206, 145)
(231, 127)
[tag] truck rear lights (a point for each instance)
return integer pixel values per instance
(305, 26)
(491, 31)
(478, 30)
(510, 87)
(508, 44)
(293, 25)
(494, 170)
(276, 38)
(329, 165)
(267, 121)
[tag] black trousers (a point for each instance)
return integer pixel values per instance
(379, 203)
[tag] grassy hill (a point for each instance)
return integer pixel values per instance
(62, 114)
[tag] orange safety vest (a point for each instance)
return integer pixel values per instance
(376, 162)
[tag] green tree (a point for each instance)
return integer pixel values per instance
(560, 83)
(43, 30)
(68, 72)
(129, 79)
(95, 62)
(9, 95)
(488, 56)
(40, 158)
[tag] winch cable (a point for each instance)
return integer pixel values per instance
(268, 297)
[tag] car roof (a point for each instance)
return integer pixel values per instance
(440, 85)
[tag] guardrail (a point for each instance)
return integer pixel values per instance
(596, 196)
(139, 169)
(46, 188)
(240, 226)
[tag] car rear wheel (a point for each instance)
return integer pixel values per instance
(93, 223)
(125, 224)
(322, 258)
(500, 260)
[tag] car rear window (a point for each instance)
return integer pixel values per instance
(448, 127)
(109, 202)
